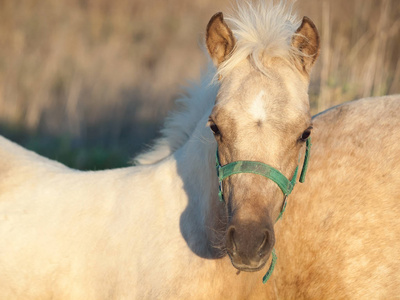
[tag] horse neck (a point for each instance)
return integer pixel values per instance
(200, 221)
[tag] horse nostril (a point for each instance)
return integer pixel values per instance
(264, 247)
(231, 239)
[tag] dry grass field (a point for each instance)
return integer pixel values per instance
(89, 82)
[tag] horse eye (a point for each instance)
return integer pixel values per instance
(214, 129)
(306, 134)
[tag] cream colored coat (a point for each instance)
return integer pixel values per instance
(118, 234)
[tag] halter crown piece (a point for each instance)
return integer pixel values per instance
(259, 168)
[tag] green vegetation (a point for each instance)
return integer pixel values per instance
(64, 149)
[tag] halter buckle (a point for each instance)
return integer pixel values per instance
(220, 190)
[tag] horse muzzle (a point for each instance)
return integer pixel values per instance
(249, 247)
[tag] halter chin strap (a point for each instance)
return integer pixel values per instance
(259, 168)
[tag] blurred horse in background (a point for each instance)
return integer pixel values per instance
(159, 231)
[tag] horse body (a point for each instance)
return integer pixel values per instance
(342, 223)
(158, 231)
(68, 234)
(97, 235)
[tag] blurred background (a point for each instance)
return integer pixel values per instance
(89, 82)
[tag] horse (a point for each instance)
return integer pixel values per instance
(172, 228)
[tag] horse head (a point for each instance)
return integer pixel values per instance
(261, 114)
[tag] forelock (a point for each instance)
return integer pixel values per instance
(263, 30)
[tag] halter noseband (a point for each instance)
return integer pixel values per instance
(259, 168)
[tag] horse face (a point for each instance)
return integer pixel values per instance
(258, 119)
(258, 116)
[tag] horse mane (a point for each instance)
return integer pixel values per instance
(180, 124)
(263, 30)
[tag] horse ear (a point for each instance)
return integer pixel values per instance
(306, 40)
(219, 39)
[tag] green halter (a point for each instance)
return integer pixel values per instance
(259, 168)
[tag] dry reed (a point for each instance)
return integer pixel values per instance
(105, 73)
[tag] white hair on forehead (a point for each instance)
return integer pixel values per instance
(263, 29)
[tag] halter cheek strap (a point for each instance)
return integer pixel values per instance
(259, 168)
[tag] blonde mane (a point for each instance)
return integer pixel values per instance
(263, 30)
(180, 124)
